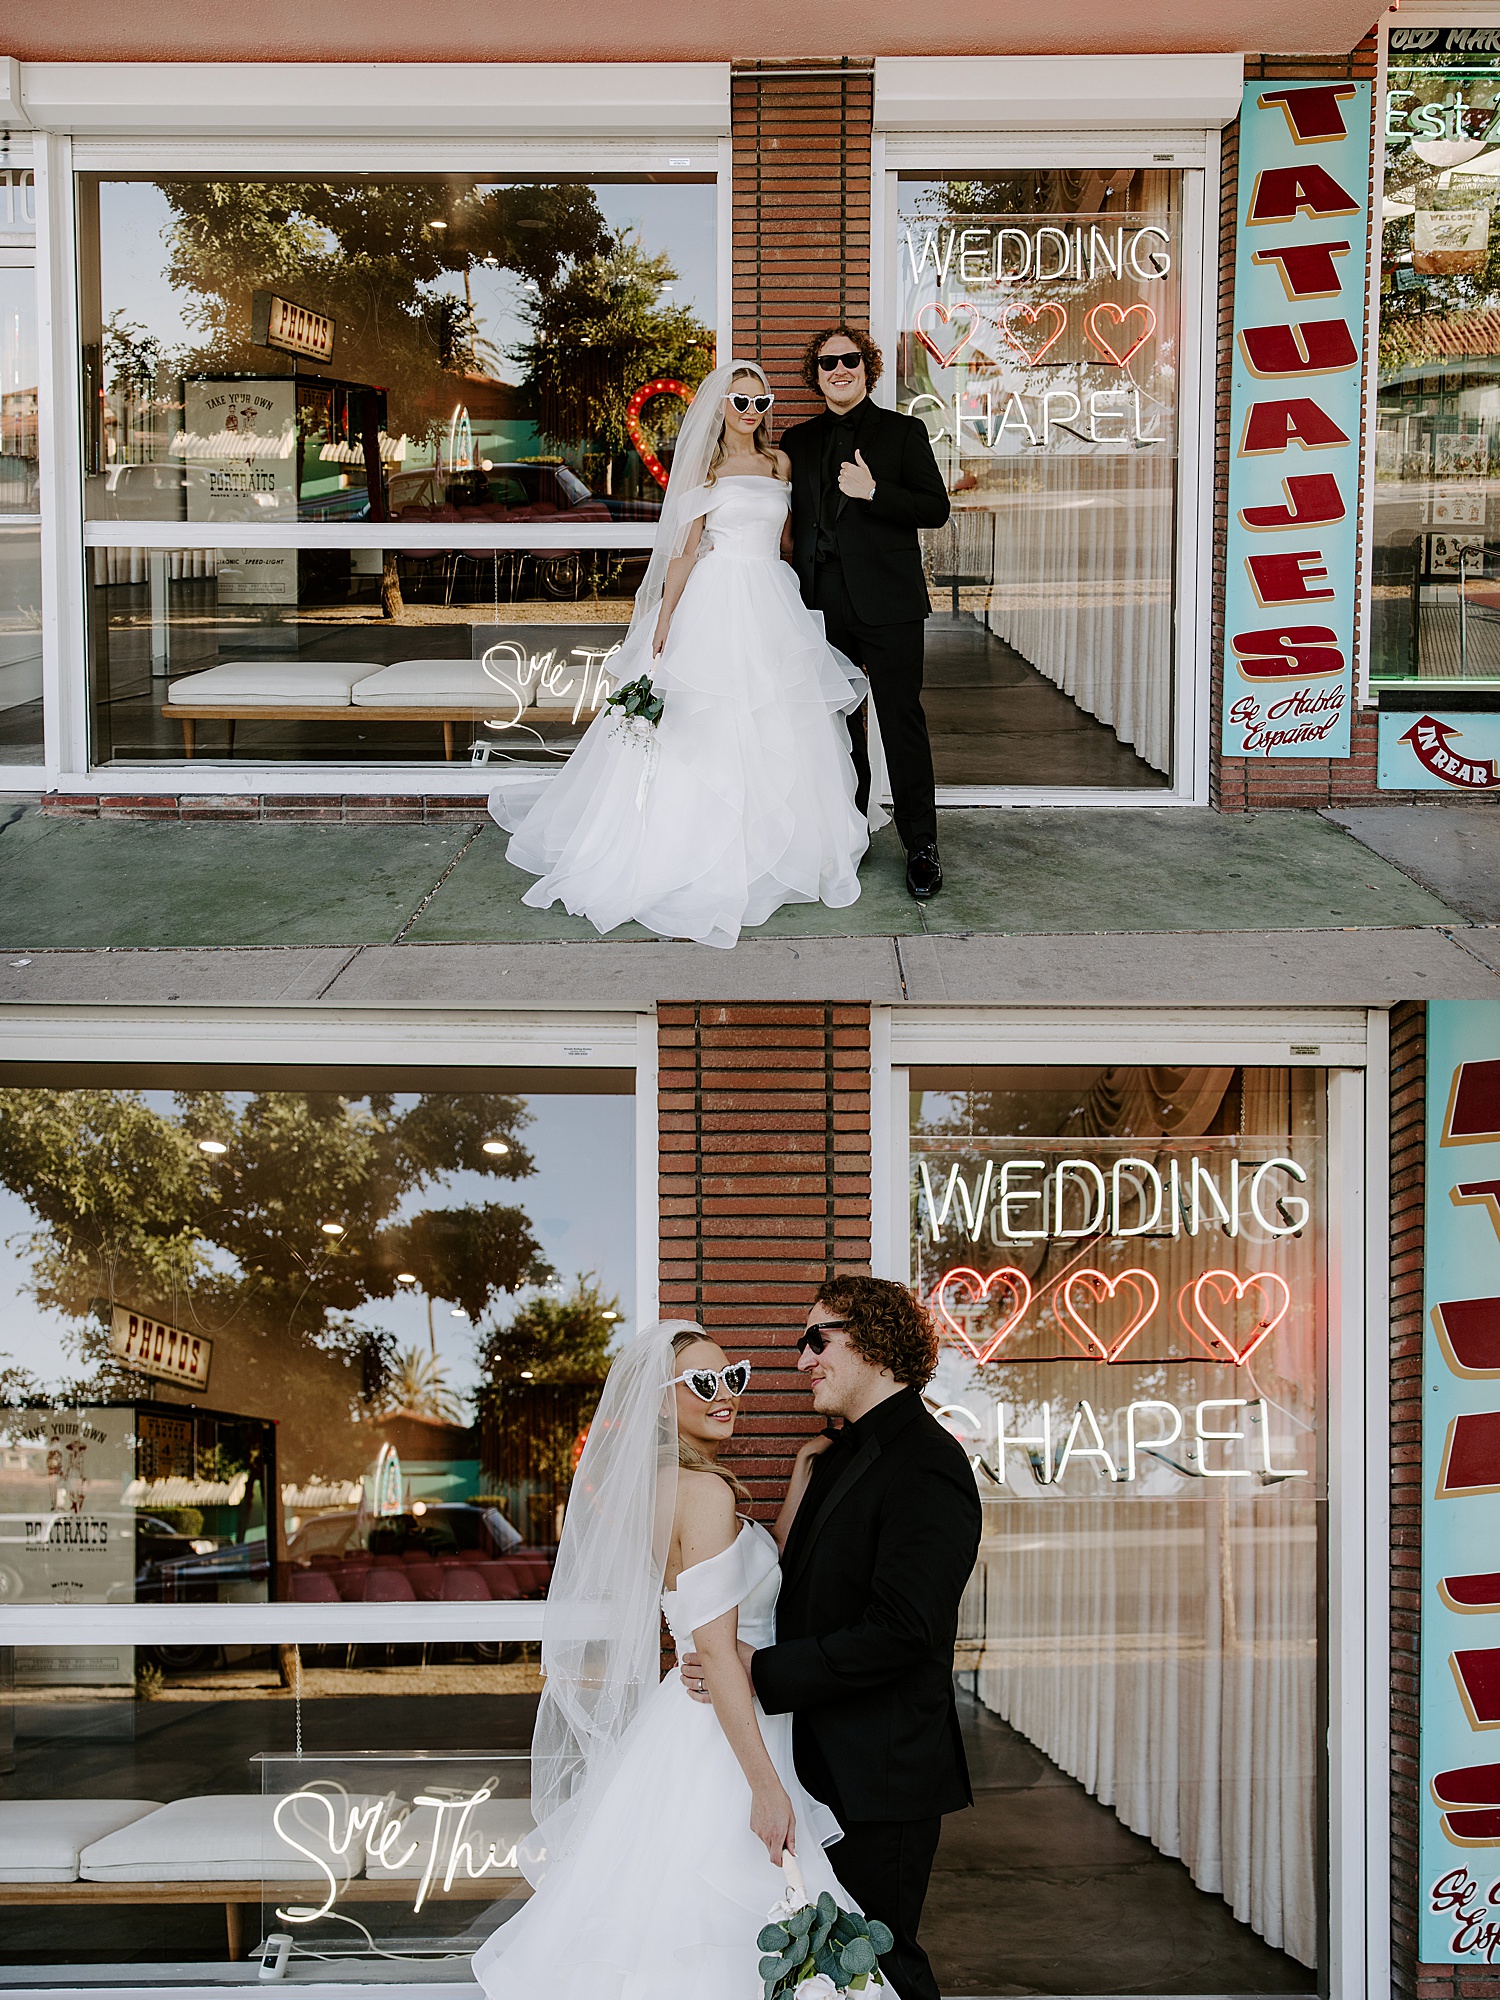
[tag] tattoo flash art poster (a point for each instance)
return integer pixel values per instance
(1291, 571)
(1459, 1801)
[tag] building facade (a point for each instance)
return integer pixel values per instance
(340, 379)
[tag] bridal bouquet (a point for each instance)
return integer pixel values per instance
(637, 701)
(638, 708)
(815, 1951)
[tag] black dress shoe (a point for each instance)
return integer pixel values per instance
(924, 872)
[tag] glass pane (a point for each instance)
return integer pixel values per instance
(222, 1796)
(315, 1346)
(21, 646)
(353, 655)
(422, 348)
(1436, 611)
(1127, 1268)
(18, 377)
(1040, 343)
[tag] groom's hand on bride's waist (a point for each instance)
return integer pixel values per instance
(691, 1669)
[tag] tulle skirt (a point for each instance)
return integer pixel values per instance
(667, 1889)
(740, 800)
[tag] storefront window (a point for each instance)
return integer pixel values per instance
(1127, 1266)
(1436, 609)
(483, 377)
(335, 1348)
(20, 545)
(287, 654)
(1040, 341)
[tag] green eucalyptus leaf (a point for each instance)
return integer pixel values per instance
(858, 1957)
(828, 1909)
(774, 1938)
(770, 1969)
(801, 1921)
(881, 1936)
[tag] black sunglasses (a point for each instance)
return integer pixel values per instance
(851, 359)
(816, 1337)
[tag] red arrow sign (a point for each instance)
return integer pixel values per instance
(1429, 744)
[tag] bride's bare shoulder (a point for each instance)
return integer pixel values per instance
(705, 1519)
(783, 466)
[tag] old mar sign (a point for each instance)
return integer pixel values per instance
(1296, 388)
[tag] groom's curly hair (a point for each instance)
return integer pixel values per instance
(886, 1325)
(874, 360)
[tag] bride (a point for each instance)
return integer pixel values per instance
(742, 798)
(661, 1822)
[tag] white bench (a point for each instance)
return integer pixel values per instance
(225, 1848)
(445, 691)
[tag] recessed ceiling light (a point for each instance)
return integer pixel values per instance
(457, 1312)
(609, 1315)
(526, 1375)
(496, 1146)
(332, 1228)
(437, 222)
(406, 1277)
(214, 1146)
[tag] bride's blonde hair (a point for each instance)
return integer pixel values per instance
(688, 1455)
(760, 436)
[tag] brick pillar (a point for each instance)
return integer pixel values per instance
(801, 150)
(764, 1192)
(1408, 1194)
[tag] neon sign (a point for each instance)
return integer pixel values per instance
(524, 678)
(1007, 254)
(448, 1837)
(1274, 1296)
(663, 385)
(1207, 1431)
(1136, 1198)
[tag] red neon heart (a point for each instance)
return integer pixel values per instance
(946, 314)
(1100, 1288)
(662, 386)
(1270, 1282)
(1016, 1283)
(1119, 314)
(1031, 314)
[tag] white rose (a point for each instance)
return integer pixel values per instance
(819, 1987)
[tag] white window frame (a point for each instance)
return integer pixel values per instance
(1353, 1045)
(242, 1039)
(511, 119)
(1194, 153)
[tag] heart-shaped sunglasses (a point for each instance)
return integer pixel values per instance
(705, 1382)
(760, 404)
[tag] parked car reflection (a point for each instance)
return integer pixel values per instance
(449, 1552)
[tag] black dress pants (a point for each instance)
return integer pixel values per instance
(885, 1866)
(892, 657)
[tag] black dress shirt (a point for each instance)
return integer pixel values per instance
(838, 450)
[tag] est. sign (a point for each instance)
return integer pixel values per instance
(1291, 572)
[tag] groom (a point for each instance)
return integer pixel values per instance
(875, 1565)
(863, 481)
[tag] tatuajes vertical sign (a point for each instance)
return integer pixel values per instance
(1460, 1687)
(1296, 387)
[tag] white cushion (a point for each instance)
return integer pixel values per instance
(273, 683)
(485, 1839)
(233, 1838)
(40, 1839)
(434, 684)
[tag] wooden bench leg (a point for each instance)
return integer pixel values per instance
(229, 733)
(448, 741)
(187, 737)
(234, 1930)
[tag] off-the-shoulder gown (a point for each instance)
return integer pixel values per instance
(748, 801)
(667, 1888)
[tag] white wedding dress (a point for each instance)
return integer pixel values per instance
(666, 1889)
(745, 801)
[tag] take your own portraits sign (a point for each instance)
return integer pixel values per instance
(1296, 389)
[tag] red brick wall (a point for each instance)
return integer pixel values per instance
(801, 250)
(765, 1191)
(1408, 1116)
(1240, 784)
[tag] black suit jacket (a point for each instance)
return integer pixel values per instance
(876, 1563)
(877, 538)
